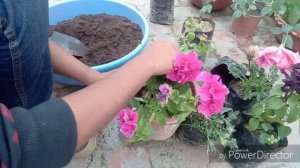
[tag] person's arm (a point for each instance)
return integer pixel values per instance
(96, 105)
(67, 65)
(48, 134)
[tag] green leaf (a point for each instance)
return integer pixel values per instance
(253, 124)
(282, 112)
(293, 101)
(274, 102)
(257, 109)
(287, 28)
(264, 138)
(182, 116)
(276, 30)
(276, 90)
(294, 15)
(190, 36)
(237, 14)
(252, 7)
(277, 4)
(294, 114)
(267, 126)
(161, 118)
(289, 41)
(284, 131)
(266, 11)
(297, 27)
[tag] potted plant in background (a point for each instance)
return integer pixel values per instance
(164, 104)
(162, 11)
(196, 36)
(211, 5)
(246, 17)
(288, 24)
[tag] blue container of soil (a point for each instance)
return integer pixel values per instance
(69, 9)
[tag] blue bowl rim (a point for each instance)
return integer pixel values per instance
(127, 57)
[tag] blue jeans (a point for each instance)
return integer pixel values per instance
(25, 64)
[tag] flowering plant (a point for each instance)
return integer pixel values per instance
(282, 105)
(254, 80)
(172, 96)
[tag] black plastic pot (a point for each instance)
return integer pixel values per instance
(191, 135)
(249, 143)
(162, 11)
(237, 102)
(222, 70)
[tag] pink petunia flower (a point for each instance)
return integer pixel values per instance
(212, 88)
(212, 94)
(207, 77)
(186, 68)
(278, 56)
(210, 107)
(128, 119)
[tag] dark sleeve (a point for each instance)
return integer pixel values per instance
(42, 137)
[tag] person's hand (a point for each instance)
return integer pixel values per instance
(160, 54)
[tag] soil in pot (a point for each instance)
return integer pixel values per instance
(216, 5)
(248, 142)
(107, 37)
(245, 26)
(162, 11)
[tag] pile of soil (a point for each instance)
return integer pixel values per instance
(107, 37)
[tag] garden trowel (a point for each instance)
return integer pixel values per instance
(70, 44)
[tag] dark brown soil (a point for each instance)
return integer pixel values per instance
(107, 37)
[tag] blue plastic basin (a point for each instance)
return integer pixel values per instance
(69, 9)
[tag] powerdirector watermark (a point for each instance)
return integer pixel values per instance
(255, 154)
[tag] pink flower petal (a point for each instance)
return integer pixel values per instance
(186, 68)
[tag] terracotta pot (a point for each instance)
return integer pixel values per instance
(163, 132)
(294, 34)
(245, 26)
(216, 5)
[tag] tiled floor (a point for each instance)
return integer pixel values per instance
(112, 151)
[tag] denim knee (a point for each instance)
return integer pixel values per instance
(25, 64)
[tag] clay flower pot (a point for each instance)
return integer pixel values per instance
(163, 132)
(294, 34)
(216, 5)
(245, 26)
(162, 11)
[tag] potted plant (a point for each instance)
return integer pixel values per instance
(211, 5)
(198, 130)
(165, 103)
(267, 129)
(246, 17)
(196, 36)
(209, 125)
(252, 83)
(162, 11)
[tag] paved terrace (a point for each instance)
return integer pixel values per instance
(113, 152)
